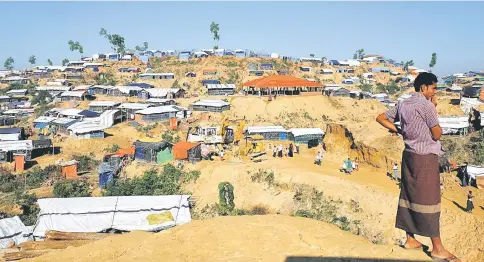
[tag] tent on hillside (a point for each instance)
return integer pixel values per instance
(158, 152)
(13, 230)
(99, 214)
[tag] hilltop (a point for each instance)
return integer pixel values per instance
(245, 238)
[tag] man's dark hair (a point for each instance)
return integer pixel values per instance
(424, 79)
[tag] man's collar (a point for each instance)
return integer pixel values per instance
(419, 95)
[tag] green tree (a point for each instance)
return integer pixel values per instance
(43, 97)
(214, 29)
(9, 63)
(28, 205)
(71, 188)
(433, 61)
(226, 196)
(407, 64)
(366, 87)
(76, 46)
(65, 61)
(32, 60)
(49, 62)
(116, 41)
(359, 54)
(142, 48)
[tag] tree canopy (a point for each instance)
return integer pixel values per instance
(116, 41)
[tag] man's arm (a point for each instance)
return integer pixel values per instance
(385, 122)
(436, 132)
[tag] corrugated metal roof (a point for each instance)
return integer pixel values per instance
(159, 100)
(157, 74)
(85, 127)
(44, 119)
(16, 91)
(53, 88)
(265, 129)
(211, 102)
(306, 131)
(15, 145)
(133, 106)
(157, 110)
(220, 86)
(74, 93)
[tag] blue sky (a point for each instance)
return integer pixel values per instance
(399, 30)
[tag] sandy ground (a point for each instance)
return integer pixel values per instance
(244, 238)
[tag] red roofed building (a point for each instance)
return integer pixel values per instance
(281, 85)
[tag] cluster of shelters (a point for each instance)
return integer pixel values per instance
(280, 85)
(309, 136)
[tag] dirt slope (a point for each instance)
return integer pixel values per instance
(243, 238)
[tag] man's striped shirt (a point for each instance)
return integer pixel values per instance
(417, 116)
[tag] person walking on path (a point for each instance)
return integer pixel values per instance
(419, 205)
(395, 172)
(470, 205)
(349, 166)
(318, 158)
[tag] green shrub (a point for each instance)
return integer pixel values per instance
(150, 184)
(8, 181)
(35, 177)
(29, 207)
(71, 188)
(86, 162)
(226, 197)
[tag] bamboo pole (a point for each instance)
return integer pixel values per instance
(57, 235)
(42, 245)
(13, 256)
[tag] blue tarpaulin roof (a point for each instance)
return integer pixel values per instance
(88, 113)
(13, 130)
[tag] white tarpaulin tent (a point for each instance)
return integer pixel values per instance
(96, 214)
(453, 124)
(475, 171)
(13, 230)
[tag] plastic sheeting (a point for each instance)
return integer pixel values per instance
(475, 171)
(96, 214)
(13, 230)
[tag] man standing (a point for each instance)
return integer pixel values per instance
(318, 159)
(395, 172)
(419, 203)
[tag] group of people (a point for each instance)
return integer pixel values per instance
(350, 166)
(280, 151)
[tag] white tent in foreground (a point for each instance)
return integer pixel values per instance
(13, 230)
(96, 214)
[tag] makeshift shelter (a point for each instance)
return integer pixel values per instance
(60, 125)
(86, 130)
(476, 176)
(209, 71)
(210, 81)
(99, 89)
(220, 90)
(336, 90)
(454, 125)
(124, 91)
(8, 120)
(101, 106)
(154, 76)
(106, 174)
(142, 85)
(187, 151)
(210, 105)
(69, 169)
(158, 152)
(268, 132)
(306, 135)
(11, 134)
(280, 85)
(155, 114)
(13, 230)
(99, 214)
(160, 101)
(128, 109)
(17, 92)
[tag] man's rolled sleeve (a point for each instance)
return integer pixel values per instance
(430, 115)
(392, 114)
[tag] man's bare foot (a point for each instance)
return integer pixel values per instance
(444, 254)
(412, 243)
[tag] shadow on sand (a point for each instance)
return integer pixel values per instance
(459, 206)
(341, 259)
